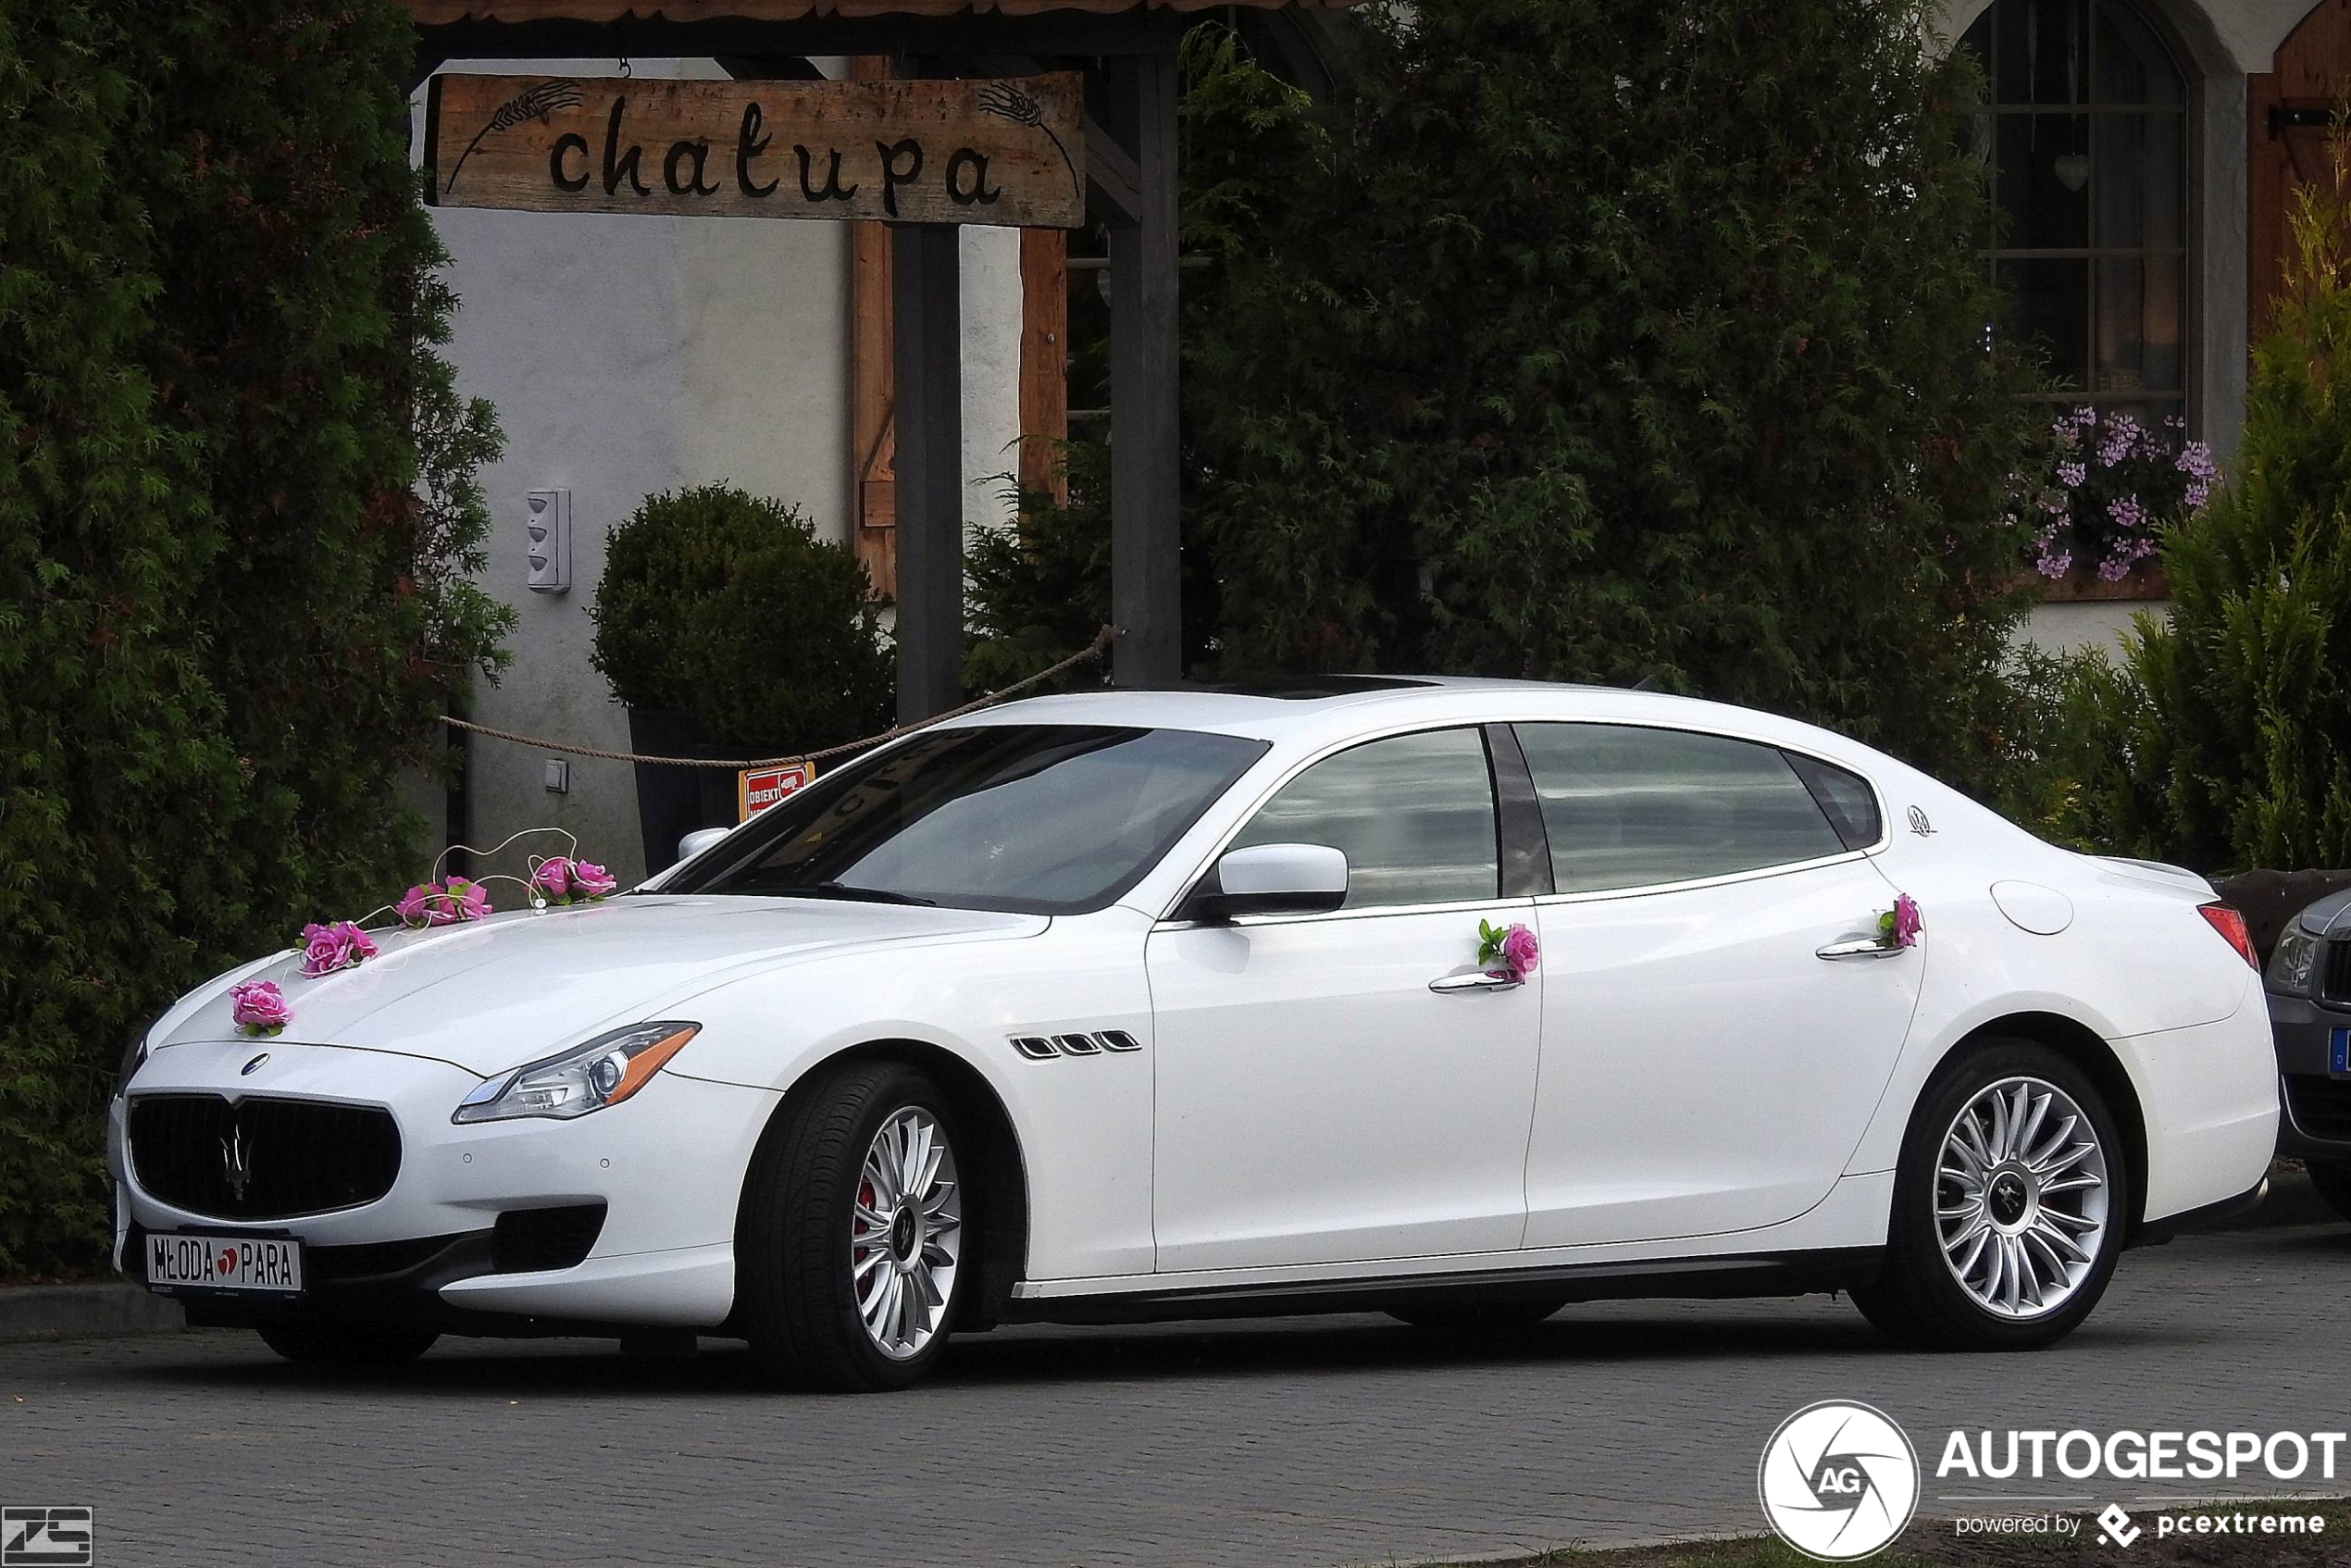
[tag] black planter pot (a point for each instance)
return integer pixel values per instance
(674, 801)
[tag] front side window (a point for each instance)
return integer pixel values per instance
(1414, 814)
(1040, 818)
(1629, 807)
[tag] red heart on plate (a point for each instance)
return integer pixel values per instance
(227, 1262)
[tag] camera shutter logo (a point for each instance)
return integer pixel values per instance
(1838, 1481)
(44, 1538)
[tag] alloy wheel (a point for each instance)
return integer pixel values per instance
(905, 1233)
(2021, 1197)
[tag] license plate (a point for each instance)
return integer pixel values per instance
(225, 1262)
(2339, 1052)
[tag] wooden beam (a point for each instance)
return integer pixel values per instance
(1146, 518)
(458, 33)
(1113, 177)
(1044, 361)
(927, 330)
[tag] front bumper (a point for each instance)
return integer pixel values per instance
(666, 1168)
(2314, 1125)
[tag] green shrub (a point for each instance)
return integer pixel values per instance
(2251, 684)
(728, 607)
(227, 614)
(2221, 739)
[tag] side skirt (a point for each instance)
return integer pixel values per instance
(1715, 1278)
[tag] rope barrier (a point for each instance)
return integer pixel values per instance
(1094, 650)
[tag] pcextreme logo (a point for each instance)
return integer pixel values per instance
(1838, 1481)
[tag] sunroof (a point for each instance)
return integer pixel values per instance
(1307, 688)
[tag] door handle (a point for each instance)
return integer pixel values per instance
(1860, 947)
(1478, 980)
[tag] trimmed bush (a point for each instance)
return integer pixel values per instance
(728, 607)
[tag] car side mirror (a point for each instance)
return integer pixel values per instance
(1270, 879)
(699, 840)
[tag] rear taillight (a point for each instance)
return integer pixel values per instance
(2230, 925)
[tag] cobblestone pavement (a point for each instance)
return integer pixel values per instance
(1303, 1442)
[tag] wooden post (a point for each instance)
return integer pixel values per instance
(872, 450)
(1146, 522)
(1044, 361)
(929, 343)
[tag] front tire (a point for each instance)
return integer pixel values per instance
(2333, 1184)
(348, 1348)
(851, 1241)
(2010, 1204)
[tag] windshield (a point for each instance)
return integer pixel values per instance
(1036, 818)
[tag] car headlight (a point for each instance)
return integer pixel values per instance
(2289, 965)
(603, 1072)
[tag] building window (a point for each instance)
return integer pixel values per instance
(2085, 139)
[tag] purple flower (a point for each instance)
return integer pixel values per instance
(1520, 954)
(441, 903)
(418, 910)
(589, 881)
(2072, 474)
(257, 1007)
(2127, 513)
(1905, 921)
(471, 899)
(325, 948)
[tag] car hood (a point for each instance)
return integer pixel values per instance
(492, 994)
(2329, 916)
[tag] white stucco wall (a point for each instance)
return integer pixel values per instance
(629, 355)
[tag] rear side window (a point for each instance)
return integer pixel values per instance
(1413, 814)
(1631, 807)
(1845, 799)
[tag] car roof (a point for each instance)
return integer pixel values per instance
(1333, 707)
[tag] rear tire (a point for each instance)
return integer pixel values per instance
(2333, 1183)
(1477, 1317)
(353, 1348)
(2011, 1200)
(850, 1243)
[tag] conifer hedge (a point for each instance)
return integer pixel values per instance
(1610, 340)
(236, 513)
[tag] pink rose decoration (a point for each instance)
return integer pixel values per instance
(258, 1008)
(1520, 954)
(422, 907)
(589, 881)
(1905, 921)
(440, 903)
(325, 948)
(553, 879)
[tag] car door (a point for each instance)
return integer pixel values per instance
(1316, 1101)
(1710, 1061)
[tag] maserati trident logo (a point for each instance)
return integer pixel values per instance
(236, 1163)
(252, 1066)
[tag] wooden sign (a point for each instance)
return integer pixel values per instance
(756, 789)
(1008, 151)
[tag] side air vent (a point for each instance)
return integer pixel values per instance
(1042, 1048)
(535, 1240)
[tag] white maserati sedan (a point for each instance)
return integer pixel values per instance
(1456, 999)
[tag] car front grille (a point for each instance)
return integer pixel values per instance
(260, 1159)
(2334, 982)
(2321, 1106)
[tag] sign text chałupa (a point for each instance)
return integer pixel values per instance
(1009, 151)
